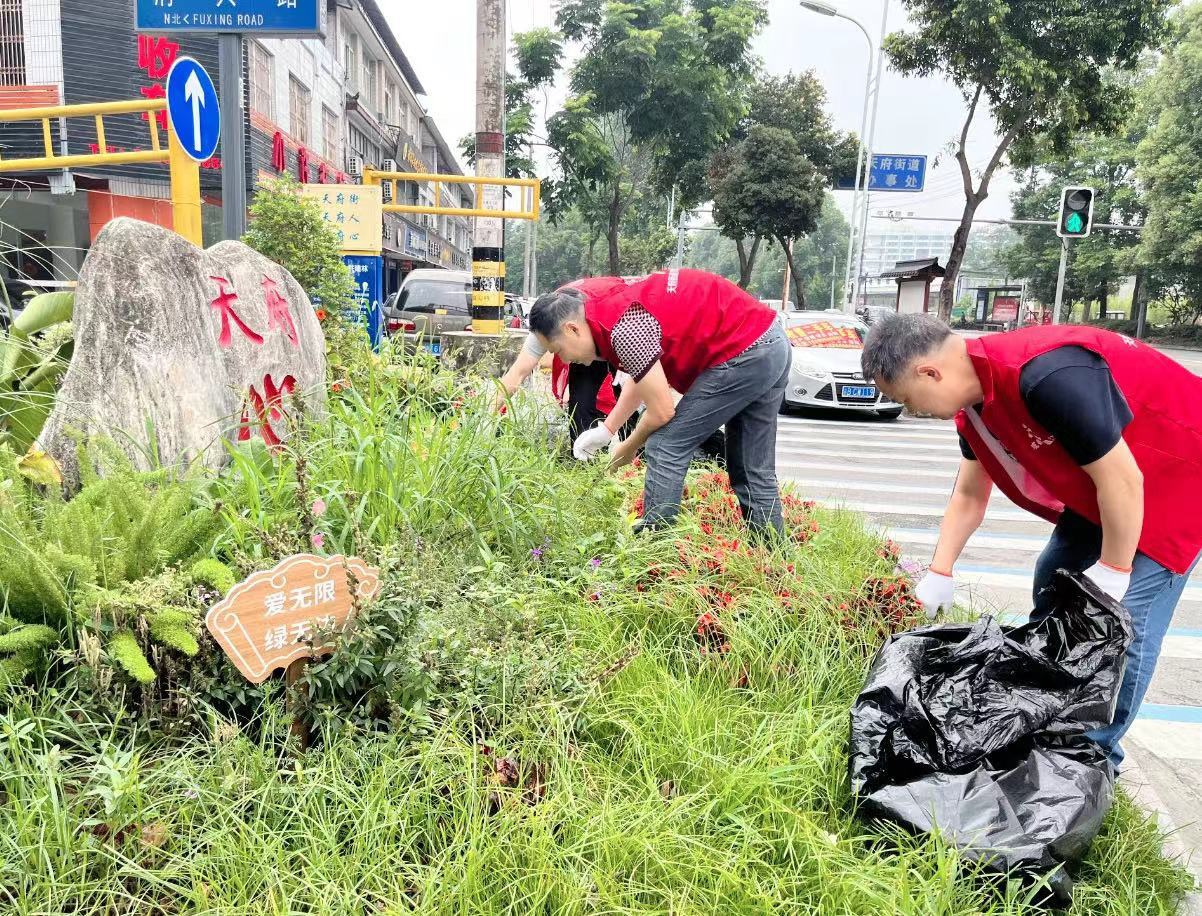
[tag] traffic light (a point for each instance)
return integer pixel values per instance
(1076, 213)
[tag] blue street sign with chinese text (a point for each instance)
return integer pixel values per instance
(368, 273)
(898, 172)
(283, 17)
(193, 109)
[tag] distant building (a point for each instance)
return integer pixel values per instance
(313, 107)
(885, 247)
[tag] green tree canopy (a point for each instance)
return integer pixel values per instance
(1037, 66)
(658, 85)
(770, 181)
(1168, 163)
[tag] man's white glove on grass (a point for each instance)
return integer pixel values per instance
(591, 441)
(935, 592)
(1112, 581)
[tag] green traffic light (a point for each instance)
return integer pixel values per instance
(1074, 223)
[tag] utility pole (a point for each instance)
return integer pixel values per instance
(784, 296)
(834, 267)
(1060, 280)
(488, 244)
(233, 137)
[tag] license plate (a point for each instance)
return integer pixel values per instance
(857, 391)
(434, 346)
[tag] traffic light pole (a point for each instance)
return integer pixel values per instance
(1060, 280)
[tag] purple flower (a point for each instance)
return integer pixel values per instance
(318, 539)
(537, 553)
(595, 562)
(319, 507)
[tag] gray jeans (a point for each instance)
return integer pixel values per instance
(745, 394)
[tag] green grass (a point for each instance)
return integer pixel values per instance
(565, 746)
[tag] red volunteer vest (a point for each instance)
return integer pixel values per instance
(606, 399)
(705, 319)
(1034, 470)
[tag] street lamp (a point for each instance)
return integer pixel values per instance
(863, 155)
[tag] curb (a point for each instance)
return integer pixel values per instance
(1145, 795)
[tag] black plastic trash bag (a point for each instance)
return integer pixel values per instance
(979, 732)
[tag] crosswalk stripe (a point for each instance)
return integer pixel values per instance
(814, 450)
(844, 468)
(930, 536)
(951, 452)
(907, 423)
(892, 508)
(1170, 739)
(1006, 577)
(859, 435)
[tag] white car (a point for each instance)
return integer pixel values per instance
(826, 365)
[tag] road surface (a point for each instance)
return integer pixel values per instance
(899, 475)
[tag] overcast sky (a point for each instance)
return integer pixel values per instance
(915, 115)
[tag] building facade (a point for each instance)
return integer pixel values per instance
(884, 248)
(317, 109)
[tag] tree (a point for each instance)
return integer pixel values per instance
(658, 85)
(754, 192)
(287, 227)
(1168, 165)
(812, 255)
(1097, 263)
(1037, 65)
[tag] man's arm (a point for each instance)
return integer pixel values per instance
(1120, 486)
(653, 390)
(964, 514)
(525, 364)
(628, 402)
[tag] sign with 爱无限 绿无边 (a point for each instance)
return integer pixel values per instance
(289, 612)
(356, 213)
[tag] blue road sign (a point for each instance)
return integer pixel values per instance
(192, 108)
(897, 172)
(281, 17)
(367, 271)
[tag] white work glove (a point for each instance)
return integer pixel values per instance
(935, 592)
(1110, 580)
(591, 441)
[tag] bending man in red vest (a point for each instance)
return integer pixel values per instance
(1086, 428)
(701, 335)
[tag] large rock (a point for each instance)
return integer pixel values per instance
(176, 348)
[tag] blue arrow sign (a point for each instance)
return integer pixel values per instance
(192, 108)
(281, 17)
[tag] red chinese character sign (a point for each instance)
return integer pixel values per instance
(824, 334)
(289, 612)
(179, 349)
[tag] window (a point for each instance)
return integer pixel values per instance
(12, 44)
(389, 114)
(329, 130)
(298, 110)
(262, 80)
(348, 61)
(370, 95)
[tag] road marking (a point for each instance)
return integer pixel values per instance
(1006, 577)
(1033, 543)
(842, 446)
(841, 451)
(845, 468)
(855, 435)
(1174, 740)
(868, 424)
(1006, 515)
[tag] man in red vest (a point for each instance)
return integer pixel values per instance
(701, 335)
(1091, 430)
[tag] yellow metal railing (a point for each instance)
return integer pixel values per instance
(185, 171)
(530, 194)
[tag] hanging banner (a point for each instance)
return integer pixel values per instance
(825, 334)
(355, 211)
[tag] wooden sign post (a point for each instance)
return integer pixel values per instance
(282, 617)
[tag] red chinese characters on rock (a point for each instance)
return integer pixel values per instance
(278, 315)
(224, 304)
(267, 405)
(265, 402)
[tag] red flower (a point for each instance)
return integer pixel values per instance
(321, 314)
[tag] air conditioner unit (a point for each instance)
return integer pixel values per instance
(386, 189)
(389, 165)
(355, 166)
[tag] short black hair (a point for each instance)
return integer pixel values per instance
(895, 341)
(553, 309)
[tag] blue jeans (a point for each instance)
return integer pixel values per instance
(1151, 598)
(744, 393)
